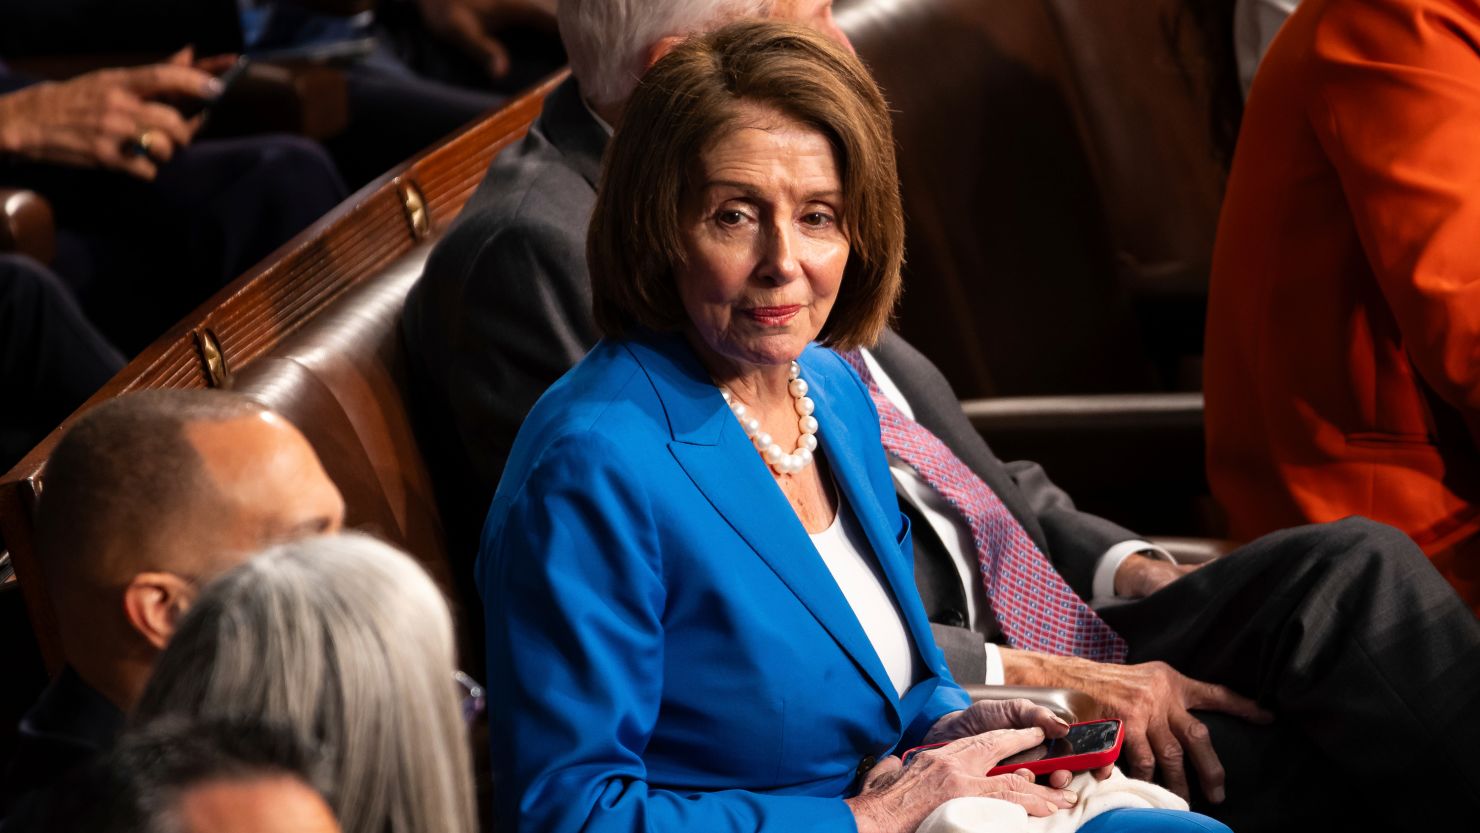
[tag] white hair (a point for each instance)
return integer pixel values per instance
(608, 41)
(346, 641)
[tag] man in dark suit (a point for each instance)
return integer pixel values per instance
(1342, 630)
(147, 496)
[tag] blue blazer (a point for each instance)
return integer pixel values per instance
(666, 649)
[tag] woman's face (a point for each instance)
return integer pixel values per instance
(765, 245)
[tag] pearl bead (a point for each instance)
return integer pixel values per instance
(779, 460)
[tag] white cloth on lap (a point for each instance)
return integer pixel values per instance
(993, 815)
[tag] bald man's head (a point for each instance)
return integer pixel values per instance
(151, 493)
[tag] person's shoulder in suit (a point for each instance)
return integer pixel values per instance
(531, 198)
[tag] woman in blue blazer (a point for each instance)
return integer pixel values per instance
(700, 600)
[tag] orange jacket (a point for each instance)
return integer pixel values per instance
(1343, 345)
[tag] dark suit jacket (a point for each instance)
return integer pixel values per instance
(504, 308)
(67, 727)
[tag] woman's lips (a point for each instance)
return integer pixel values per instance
(774, 316)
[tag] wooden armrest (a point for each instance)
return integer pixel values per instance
(26, 225)
(1070, 704)
(1136, 459)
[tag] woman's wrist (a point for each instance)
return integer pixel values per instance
(872, 815)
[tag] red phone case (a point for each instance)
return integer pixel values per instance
(1072, 763)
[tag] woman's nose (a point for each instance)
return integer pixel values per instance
(780, 264)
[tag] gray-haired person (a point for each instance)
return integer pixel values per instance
(346, 641)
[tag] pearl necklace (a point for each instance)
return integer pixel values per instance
(774, 454)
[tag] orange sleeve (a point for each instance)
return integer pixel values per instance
(1397, 110)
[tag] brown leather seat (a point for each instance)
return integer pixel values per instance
(1060, 188)
(1061, 192)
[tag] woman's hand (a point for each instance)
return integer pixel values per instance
(896, 799)
(91, 120)
(990, 715)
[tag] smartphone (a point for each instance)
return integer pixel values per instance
(190, 108)
(1088, 745)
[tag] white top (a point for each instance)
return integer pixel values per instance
(954, 533)
(846, 552)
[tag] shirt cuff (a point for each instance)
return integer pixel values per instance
(995, 674)
(1104, 582)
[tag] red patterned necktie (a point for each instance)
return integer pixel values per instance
(1035, 607)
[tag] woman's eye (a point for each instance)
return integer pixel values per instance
(729, 217)
(817, 219)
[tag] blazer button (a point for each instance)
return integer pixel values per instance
(953, 618)
(865, 764)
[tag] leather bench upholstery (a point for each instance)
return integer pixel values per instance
(1055, 161)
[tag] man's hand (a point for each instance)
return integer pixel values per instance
(1139, 576)
(470, 24)
(1153, 700)
(106, 119)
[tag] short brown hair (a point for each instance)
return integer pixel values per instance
(683, 103)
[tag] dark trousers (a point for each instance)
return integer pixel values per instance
(51, 358)
(394, 115)
(140, 255)
(1366, 655)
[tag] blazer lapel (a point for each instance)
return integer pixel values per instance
(714, 452)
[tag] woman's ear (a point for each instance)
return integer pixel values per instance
(661, 48)
(154, 604)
